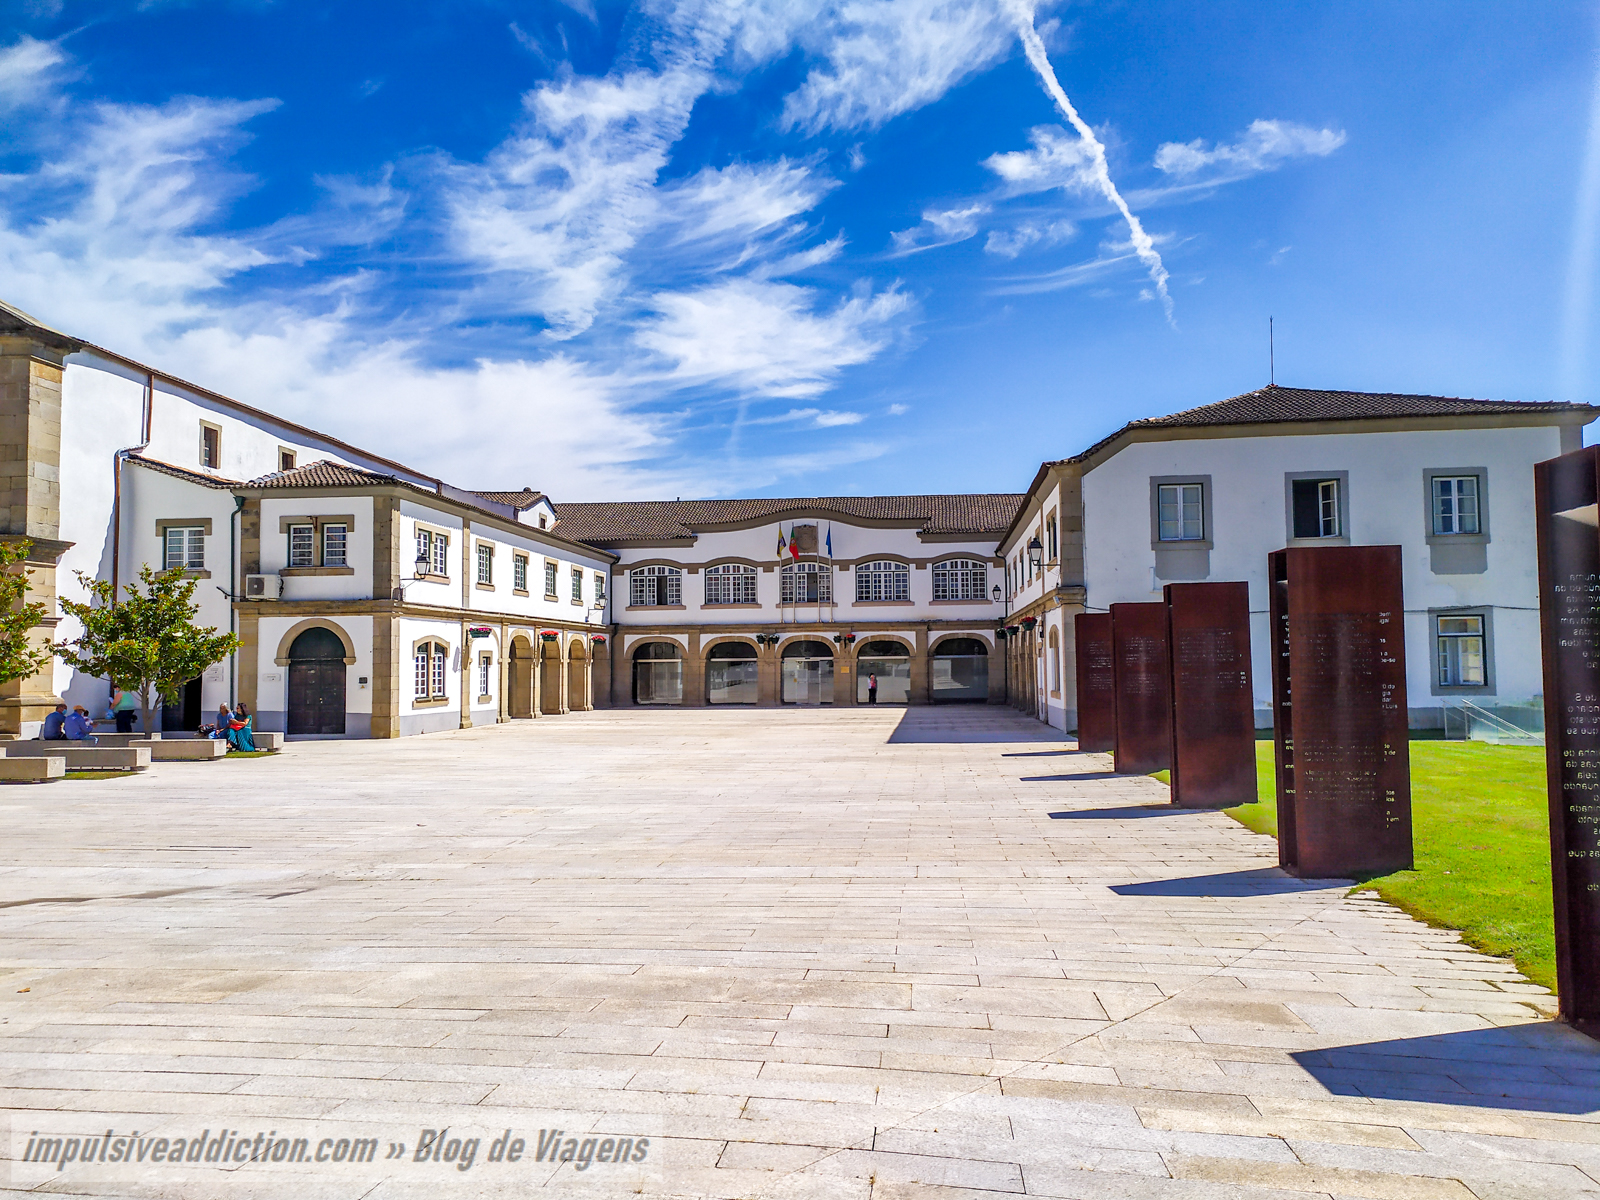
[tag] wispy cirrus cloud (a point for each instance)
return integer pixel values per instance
(1265, 146)
(940, 227)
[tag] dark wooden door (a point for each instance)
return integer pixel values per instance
(316, 683)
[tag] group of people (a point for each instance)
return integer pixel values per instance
(78, 726)
(234, 725)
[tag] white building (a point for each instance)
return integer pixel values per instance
(374, 600)
(1210, 492)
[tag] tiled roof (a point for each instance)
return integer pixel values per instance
(324, 473)
(204, 478)
(526, 498)
(1272, 404)
(654, 520)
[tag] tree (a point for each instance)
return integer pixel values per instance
(20, 656)
(146, 643)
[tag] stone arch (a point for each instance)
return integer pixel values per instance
(552, 678)
(600, 672)
(520, 665)
(988, 646)
(299, 627)
(577, 675)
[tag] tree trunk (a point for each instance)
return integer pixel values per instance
(144, 710)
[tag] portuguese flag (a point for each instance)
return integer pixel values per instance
(794, 544)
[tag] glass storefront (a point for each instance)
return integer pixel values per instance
(808, 673)
(731, 674)
(891, 663)
(958, 671)
(658, 673)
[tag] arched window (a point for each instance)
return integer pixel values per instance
(658, 673)
(655, 586)
(960, 579)
(959, 670)
(1055, 664)
(806, 583)
(730, 583)
(883, 580)
(432, 664)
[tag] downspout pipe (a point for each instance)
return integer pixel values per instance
(233, 592)
(116, 482)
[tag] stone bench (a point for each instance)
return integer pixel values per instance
(264, 741)
(33, 770)
(84, 758)
(184, 750)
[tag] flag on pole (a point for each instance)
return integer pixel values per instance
(830, 539)
(794, 542)
(782, 545)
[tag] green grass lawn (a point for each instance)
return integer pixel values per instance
(1481, 832)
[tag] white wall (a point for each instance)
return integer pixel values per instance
(1385, 506)
(358, 546)
(272, 677)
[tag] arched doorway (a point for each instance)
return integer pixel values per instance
(577, 677)
(731, 674)
(550, 676)
(316, 683)
(807, 672)
(600, 674)
(890, 663)
(959, 671)
(519, 682)
(658, 673)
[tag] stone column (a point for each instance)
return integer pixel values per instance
(768, 676)
(466, 679)
(504, 696)
(921, 676)
(845, 674)
(536, 669)
(563, 679)
(694, 672)
(385, 673)
(385, 625)
(31, 368)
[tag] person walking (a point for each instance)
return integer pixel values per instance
(123, 706)
(872, 688)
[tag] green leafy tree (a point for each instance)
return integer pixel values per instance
(20, 655)
(145, 643)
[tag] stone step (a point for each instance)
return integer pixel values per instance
(32, 770)
(84, 758)
(186, 750)
(264, 741)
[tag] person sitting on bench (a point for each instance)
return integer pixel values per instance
(53, 722)
(78, 726)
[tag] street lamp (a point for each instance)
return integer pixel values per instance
(1036, 554)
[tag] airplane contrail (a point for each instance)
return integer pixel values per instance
(1143, 246)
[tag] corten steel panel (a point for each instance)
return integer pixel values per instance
(1097, 693)
(1565, 492)
(1213, 704)
(1344, 766)
(1143, 683)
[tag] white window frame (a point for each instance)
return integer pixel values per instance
(519, 572)
(485, 669)
(790, 575)
(302, 545)
(550, 570)
(655, 587)
(577, 584)
(882, 579)
(1450, 502)
(335, 545)
(1451, 645)
(441, 671)
(485, 563)
(190, 544)
(1180, 512)
(599, 587)
(731, 583)
(961, 579)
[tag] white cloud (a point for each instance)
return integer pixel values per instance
(939, 227)
(899, 410)
(1057, 160)
(1265, 146)
(818, 418)
(1008, 243)
(764, 337)
(739, 201)
(29, 68)
(886, 57)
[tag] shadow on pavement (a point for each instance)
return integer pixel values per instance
(1133, 812)
(970, 723)
(1547, 1067)
(1261, 881)
(1077, 775)
(1040, 753)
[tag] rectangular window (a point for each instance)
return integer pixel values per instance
(599, 587)
(1181, 508)
(210, 447)
(185, 548)
(485, 662)
(486, 564)
(1460, 641)
(550, 580)
(1455, 504)
(420, 688)
(302, 545)
(519, 572)
(334, 541)
(577, 585)
(1316, 508)
(441, 663)
(441, 554)
(424, 552)
(1052, 543)
(286, 460)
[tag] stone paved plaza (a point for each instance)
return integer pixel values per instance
(807, 953)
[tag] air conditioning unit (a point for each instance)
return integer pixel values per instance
(262, 587)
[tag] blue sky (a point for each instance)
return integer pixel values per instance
(707, 249)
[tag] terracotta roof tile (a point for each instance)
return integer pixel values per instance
(656, 520)
(526, 498)
(1272, 404)
(325, 473)
(204, 478)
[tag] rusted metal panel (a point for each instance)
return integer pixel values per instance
(1097, 693)
(1213, 704)
(1339, 691)
(1565, 493)
(1142, 678)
